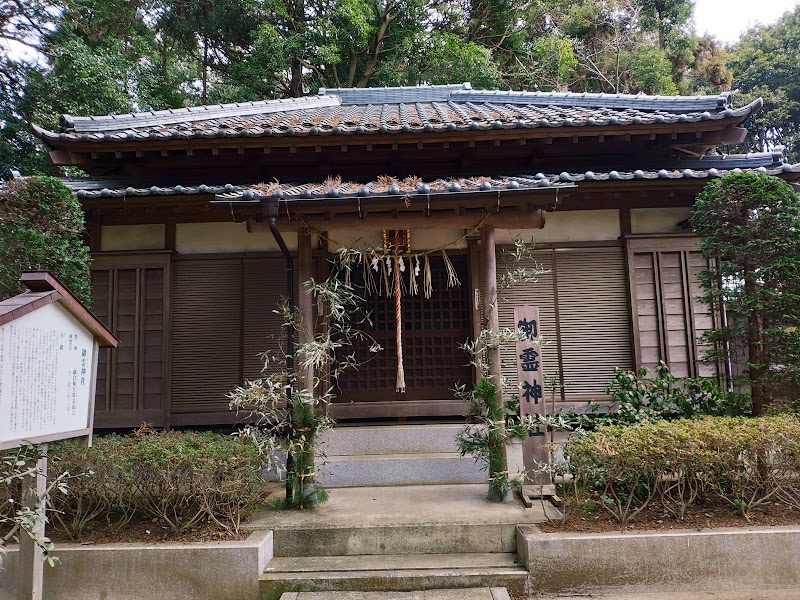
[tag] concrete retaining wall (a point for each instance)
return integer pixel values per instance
(197, 571)
(691, 561)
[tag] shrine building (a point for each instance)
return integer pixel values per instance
(191, 214)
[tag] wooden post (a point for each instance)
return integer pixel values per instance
(492, 323)
(490, 316)
(530, 373)
(474, 270)
(31, 565)
(304, 300)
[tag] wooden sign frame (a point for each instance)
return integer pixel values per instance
(530, 374)
(45, 290)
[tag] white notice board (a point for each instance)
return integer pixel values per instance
(46, 377)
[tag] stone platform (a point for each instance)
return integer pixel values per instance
(409, 540)
(458, 594)
(408, 505)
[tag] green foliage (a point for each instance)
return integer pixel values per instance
(766, 63)
(23, 512)
(485, 439)
(451, 59)
(744, 462)
(41, 227)
(749, 223)
(286, 415)
(78, 82)
(636, 397)
(652, 72)
(104, 56)
(177, 479)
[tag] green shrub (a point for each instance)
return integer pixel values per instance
(744, 462)
(636, 397)
(42, 228)
(175, 478)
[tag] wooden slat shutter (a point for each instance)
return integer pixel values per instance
(264, 285)
(541, 294)
(585, 320)
(669, 317)
(130, 295)
(222, 320)
(594, 319)
(206, 334)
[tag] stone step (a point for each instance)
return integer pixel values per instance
(391, 573)
(399, 469)
(374, 562)
(413, 538)
(497, 593)
(394, 439)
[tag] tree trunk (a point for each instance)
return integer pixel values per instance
(372, 62)
(296, 82)
(204, 97)
(756, 354)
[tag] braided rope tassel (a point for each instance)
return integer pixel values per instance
(400, 386)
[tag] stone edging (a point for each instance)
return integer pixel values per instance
(192, 571)
(687, 560)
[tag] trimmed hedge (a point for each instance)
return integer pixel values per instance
(743, 461)
(177, 479)
(42, 228)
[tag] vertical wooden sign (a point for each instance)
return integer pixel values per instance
(531, 391)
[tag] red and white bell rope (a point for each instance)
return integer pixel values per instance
(400, 386)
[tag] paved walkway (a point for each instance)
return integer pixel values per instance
(408, 505)
(762, 595)
(465, 594)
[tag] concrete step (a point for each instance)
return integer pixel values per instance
(449, 594)
(373, 562)
(399, 469)
(391, 573)
(413, 538)
(425, 519)
(392, 439)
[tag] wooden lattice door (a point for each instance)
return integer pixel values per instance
(433, 329)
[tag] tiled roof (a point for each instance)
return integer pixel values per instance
(399, 110)
(333, 188)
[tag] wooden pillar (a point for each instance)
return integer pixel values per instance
(475, 282)
(489, 287)
(304, 300)
(30, 568)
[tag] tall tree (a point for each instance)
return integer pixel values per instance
(665, 16)
(766, 63)
(749, 225)
(41, 227)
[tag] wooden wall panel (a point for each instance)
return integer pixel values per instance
(666, 304)
(130, 294)
(101, 307)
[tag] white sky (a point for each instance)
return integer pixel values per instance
(728, 19)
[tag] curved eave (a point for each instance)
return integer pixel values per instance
(353, 191)
(380, 134)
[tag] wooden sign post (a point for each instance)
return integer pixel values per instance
(49, 346)
(531, 392)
